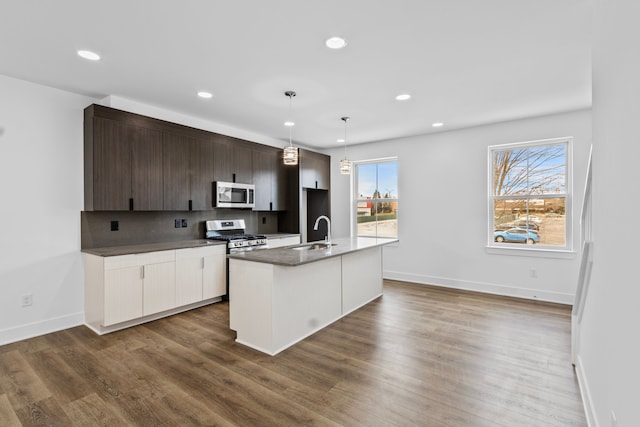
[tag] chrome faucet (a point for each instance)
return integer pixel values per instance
(315, 227)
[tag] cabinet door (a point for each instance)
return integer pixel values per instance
(263, 177)
(202, 174)
(315, 170)
(146, 168)
(122, 294)
(222, 159)
(176, 151)
(189, 276)
(159, 287)
(279, 184)
(243, 163)
(214, 279)
(111, 166)
(323, 171)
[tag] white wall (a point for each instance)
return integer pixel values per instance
(609, 344)
(41, 177)
(443, 208)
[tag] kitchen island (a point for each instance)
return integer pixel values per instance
(280, 296)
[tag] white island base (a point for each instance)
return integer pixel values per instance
(272, 307)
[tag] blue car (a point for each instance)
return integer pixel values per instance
(516, 235)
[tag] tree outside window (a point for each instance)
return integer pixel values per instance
(376, 199)
(529, 190)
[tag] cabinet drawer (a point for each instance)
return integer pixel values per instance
(131, 260)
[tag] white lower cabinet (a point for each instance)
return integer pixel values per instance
(158, 287)
(200, 274)
(125, 290)
(122, 295)
(137, 285)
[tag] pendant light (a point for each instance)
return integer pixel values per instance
(345, 164)
(290, 154)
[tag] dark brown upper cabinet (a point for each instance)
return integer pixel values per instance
(233, 160)
(134, 162)
(123, 165)
(202, 167)
(269, 179)
(315, 170)
(188, 173)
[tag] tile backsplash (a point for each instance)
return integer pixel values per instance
(151, 227)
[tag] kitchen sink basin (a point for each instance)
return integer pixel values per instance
(313, 247)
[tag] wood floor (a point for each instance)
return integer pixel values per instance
(418, 355)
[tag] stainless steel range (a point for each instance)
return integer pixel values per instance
(233, 232)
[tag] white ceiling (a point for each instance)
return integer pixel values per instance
(465, 62)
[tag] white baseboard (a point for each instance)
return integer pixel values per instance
(592, 421)
(488, 288)
(40, 327)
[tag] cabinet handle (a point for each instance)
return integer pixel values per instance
(270, 206)
(203, 263)
(142, 272)
(190, 204)
(316, 185)
(131, 204)
(234, 178)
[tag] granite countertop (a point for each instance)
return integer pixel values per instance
(287, 256)
(151, 247)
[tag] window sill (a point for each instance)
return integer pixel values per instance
(528, 251)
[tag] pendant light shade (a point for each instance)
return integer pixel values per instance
(290, 153)
(345, 164)
(345, 167)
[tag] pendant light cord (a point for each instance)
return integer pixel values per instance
(345, 120)
(290, 94)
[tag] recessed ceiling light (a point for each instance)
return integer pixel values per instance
(335, 42)
(289, 124)
(87, 54)
(205, 95)
(340, 140)
(403, 97)
(437, 125)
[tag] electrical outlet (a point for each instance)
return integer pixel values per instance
(184, 223)
(115, 225)
(533, 273)
(27, 300)
(178, 223)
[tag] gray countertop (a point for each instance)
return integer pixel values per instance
(287, 256)
(151, 247)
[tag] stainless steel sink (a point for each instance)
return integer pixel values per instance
(313, 247)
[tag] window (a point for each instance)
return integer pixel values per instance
(375, 206)
(530, 195)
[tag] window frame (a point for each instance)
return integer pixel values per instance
(355, 196)
(537, 249)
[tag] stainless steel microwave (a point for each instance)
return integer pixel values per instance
(234, 195)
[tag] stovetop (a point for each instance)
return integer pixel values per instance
(234, 236)
(233, 232)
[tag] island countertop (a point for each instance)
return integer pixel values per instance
(287, 256)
